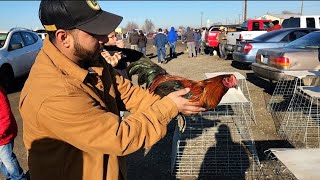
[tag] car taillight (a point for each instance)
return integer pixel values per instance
(240, 37)
(258, 57)
(280, 61)
(247, 48)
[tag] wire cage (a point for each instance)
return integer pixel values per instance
(242, 83)
(215, 144)
(301, 123)
(275, 169)
(285, 90)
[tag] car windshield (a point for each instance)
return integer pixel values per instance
(266, 36)
(311, 40)
(3, 37)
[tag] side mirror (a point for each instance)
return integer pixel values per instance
(15, 46)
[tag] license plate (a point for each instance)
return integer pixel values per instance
(265, 60)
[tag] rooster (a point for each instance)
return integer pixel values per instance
(208, 93)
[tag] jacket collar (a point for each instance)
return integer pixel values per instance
(62, 62)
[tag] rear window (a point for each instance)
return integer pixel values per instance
(291, 22)
(311, 40)
(3, 37)
(266, 36)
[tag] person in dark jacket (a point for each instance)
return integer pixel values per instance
(197, 39)
(190, 43)
(133, 40)
(160, 41)
(142, 42)
(172, 40)
(9, 164)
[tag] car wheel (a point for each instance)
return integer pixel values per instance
(6, 77)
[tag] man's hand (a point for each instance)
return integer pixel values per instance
(183, 104)
(112, 60)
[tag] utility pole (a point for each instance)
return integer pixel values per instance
(245, 10)
(301, 8)
(201, 19)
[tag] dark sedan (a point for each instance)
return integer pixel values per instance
(246, 51)
(301, 54)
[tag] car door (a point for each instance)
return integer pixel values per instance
(31, 50)
(17, 57)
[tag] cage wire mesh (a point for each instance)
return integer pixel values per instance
(300, 125)
(285, 90)
(243, 85)
(215, 144)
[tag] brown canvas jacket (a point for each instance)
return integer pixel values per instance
(71, 126)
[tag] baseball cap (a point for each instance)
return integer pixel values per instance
(85, 15)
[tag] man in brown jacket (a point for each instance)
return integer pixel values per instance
(71, 100)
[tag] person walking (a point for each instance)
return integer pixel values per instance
(142, 42)
(197, 39)
(203, 39)
(190, 43)
(9, 164)
(133, 40)
(160, 41)
(71, 100)
(172, 40)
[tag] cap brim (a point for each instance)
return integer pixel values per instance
(103, 24)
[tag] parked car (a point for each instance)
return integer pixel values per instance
(246, 50)
(18, 50)
(301, 54)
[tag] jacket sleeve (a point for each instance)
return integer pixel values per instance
(5, 112)
(155, 40)
(79, 120)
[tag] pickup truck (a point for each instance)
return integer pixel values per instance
(212, 40)
(249, 30)
(307, 21)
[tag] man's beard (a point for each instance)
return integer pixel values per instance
(88, 58)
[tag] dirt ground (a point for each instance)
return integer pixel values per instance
(154, 163)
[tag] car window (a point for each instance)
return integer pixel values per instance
(28, 39)
(266, 25)
(255, 26)
(3, 37)
(311, 23)
(309, 40)
(35, 36)
(16, 39)
(291, 22)
(266, 36)
(245, 25)
(294, 35)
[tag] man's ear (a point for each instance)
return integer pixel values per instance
(63, 38)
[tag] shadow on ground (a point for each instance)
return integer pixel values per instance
(266, 85)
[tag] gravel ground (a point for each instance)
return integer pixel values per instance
(154, 163)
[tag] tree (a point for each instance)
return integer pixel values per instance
(148, 26)
(131, 25)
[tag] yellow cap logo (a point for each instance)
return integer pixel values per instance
(93, 4)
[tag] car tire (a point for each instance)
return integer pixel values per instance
(6, 77)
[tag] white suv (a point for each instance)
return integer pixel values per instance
(18, 50)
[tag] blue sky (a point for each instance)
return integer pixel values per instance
(163, 13)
